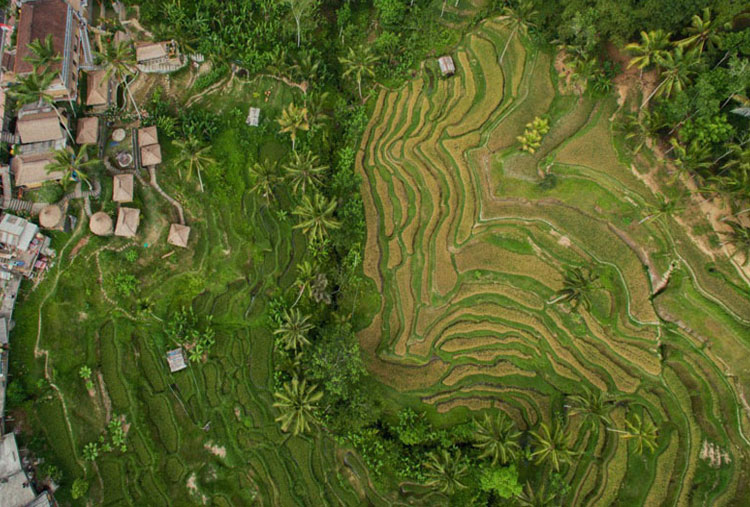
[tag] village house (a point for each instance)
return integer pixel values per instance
(88, 130)
(159, 57)
(150, 150)
(99, 90)
(37, 20)
(176, 360)
(22, 246)
(38, 129)
(101, 224)
(179, 235)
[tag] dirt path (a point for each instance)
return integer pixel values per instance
(172, 201)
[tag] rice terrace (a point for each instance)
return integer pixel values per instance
(375, 252)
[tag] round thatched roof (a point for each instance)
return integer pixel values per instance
(50, 216)
(101, 224)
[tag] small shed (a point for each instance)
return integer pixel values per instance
(100, 224)
(128, 220)
(122, 188)
(176, 360)
(179, 235)
(148, 136)
(51, 217)
(151, 155)
(253, 117)
(446, 65)
(88, 130)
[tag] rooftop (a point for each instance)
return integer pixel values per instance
(17, 232)
(38, 127)
(151, 155)
(15, 488)
(446, 65)
(31, 170)
(51, 216)
(176, 360)
(88, 130)
(151, 51)
(128, 220)
(37, 20)
(148, 136)
(179, 235)
(122, 188)
(98, 89)
(100, 224)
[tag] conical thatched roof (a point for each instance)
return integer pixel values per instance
(101, 224)
(50, 216)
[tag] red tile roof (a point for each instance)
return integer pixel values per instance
(37, 20)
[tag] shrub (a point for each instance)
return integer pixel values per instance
(80, 488)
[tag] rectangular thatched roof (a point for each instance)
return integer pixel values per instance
(39, 127)
(151, 155)
(31, 170)
(148, 136)
(179, 235)
(150, 51)
(128, 220)
(98, 89)
(122, 188)
(88, 130)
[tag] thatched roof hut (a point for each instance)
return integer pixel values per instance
(148, 136)
(101, 224)
(128, 220)
(179, 235)
(88, 130)
(51, 217)
(122, 188)
(151, 155)
(98, 88)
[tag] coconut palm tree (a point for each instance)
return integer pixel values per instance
(293, 329)
(639, 127)
(265, 178)
(305, 277)
(303, 171)
(497, 437)
(33, 88)
(292, 121)
(653, 45)
(678, 68)
(445, 471)
(552, 446)
(594, 406)
(739, 237)
(119, 63)
(531, 497)
(518, 19)
(297, 403)
(642, 431)
(359, 63)
(702, 32)
(193, 155)
(316, 216)
(578, 283)
(42, 53)
(664, 208)
(72, 165)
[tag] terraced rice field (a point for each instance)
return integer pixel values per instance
(468, 251)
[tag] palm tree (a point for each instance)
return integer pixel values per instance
(42, 53)
(293, 329)
(359, 63)
(578, 283)
(297, 402)
(702, 31)
(193, 155)
(678, 68)
(594, 406)
(498, 438)
(552, 445)
(653, 45)
(739, 237)
(119, 63)
(665, 208)
(33, 88)
(639, 127)
(265, 178)
(293, 120)
(445, 471)
(519, 19)
(304, 171)
(72, 165)
(642, 431)
(316, 216)
(535, 498)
